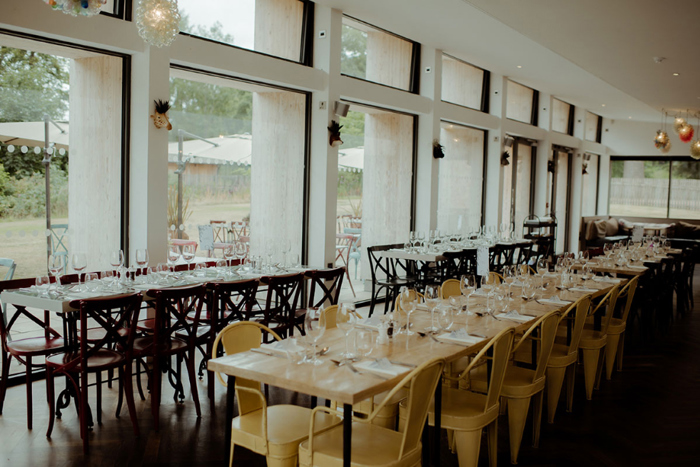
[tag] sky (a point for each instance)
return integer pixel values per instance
(236, 16)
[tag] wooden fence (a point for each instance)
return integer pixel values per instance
(685, 193)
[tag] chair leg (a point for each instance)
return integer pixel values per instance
(28, 382)
(82, 392)
(189, 361)
(599, 370)
(127, 377)
(52, 400)
(537, 418)
(468, 444)
(155, 392)
(138, 379)
(230, 459)
(120, 398)
(98, 387)
(3, 379)
(590, 365)
(492, 434)
(517, 415)
(555, 381)
(611, 354)
(620, 349)
(570, 378)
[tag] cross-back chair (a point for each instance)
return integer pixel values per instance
(385, 274)
(281, 302)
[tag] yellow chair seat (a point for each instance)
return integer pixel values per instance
(288, 425)
(461, 410)
(616, 326)
(593, 339)
(517, 383)
(561, 357)
(371, 445)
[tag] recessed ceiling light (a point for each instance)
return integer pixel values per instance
(676, 74)
(630, 117)
(602, 105)
(519, 66)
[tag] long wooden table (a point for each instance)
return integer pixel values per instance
(430, 257)
(340, 384)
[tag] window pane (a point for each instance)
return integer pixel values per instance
(560, 207)
(589, 187)
(241, 142)
(269, 26)
(460, 178)
(639, 188)
(374, 55)
(591, 127)
(507, 191)
(462, 83)
(523, 185)
(560, 116)
(519, 104)
(375, 170)
(82, 97)
(685, 190)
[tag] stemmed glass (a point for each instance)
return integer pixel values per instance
(286, 248)
(228, 254)
(240, 250)
(431, 301)
(173, 255)
(528, 290)
(314, 326)
(407, 301)
(509, 278)
(56, 263)
(269, 252)
(188, 254)
(345, 321)
(467, 285)
(116, 260)
(488, 284)
(79, 263)
(142, 261)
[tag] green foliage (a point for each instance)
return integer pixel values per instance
(215, 32)
(617, 169)
(686, 170)
(6, 191)
(353, 133)
(349, 183)
(28, 195)
(656, 169)
(353, 58)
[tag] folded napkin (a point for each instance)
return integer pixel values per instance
(515, 316)
(609, 280)
(554, 301)
(382, 367)
(35, 289)
(283, 346)
(582, 289)
(637, 267)
(459, 336)
(81, 295)
(372, 322)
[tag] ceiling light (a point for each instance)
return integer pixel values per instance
(520, 66)
(676, 74)
(602, 105)
(158, 21)
(630, 117)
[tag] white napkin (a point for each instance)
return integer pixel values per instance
(459, 336)
(554, 301)
(582, 289)
(609, 280)
(283, 346)
(382, 367)
(35, 289)
(637, 267)
(514, 316)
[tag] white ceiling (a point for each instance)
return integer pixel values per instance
(588, 53)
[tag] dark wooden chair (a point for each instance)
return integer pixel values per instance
(281, 302)
(117, 316)
(385, 274)
(24, 350)
(324, 289)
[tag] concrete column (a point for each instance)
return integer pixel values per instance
(148, 190)
(543, 178)
(278, 27)
(494, 149)
(95, 181)
(277, 171)
(575, 205)
(388, 59)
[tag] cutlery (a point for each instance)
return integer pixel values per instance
(265, 352)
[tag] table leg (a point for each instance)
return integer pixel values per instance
(347, 434)
(437, 430)
(230, 391)
(426, 443)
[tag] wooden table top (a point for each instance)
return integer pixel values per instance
(342, 385)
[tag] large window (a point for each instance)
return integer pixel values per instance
(517, 182)
(561, 165)
(593, 127)
(273, 27)
(236, 162)
(589, 187)
(562, 117)
(61, 120)
(464, 84)
(375, 55)
(641, 188)
(461, 177)
(521, 103)
(375, 186)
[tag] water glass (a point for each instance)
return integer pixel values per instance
(407, 302)
(432, 298)
(345, 321)
(314, 326)
(92, 282)
(364, 341)
(43, 283)
(173, 254)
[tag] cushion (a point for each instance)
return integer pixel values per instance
(590, 233)
(600, 228)
(687, 230)
(611, 227)
(624, 223)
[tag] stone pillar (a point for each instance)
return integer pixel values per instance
(94, 168)
(277, 170)
(278, 28)
(495, 148)
(388, 59)
(386, 184)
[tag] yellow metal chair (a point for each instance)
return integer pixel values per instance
(562, 361)
(373, 444)
(275, 431)
(450, 288)
(498, 278)
(593, 341)
(523, 384)
(616, 330)
(466, 413)
(331, 315)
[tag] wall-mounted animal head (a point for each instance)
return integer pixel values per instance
(334, 130)
(160, 118)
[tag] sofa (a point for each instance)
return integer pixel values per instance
(598, 230)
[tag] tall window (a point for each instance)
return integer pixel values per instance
(375, 55)
(589, 187)
(562, 117)
(273, 27)
(461, 177)
(560, 195)
(593, 127)
(464, 84)
(236, 162)
(375, 181)
(641, 188)
(517, 183)
(73, 99)
(521, 103)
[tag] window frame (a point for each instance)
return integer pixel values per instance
(569, 118)
(556, 149)
(306, 40)
(414, 79)
(485, 88)
(123, 10)
(514, 175)
(597, 180)
(534, 114)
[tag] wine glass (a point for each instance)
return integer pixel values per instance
(43, 284)
(488, 283)
(607, 249)
(345, 321)
(188, 254)
(445, 318)
(79, 263)
(240, 250)
(509, 277)
(314, 326)
(270, 251)
(407, 301)
(56, 263)
(467, 285)
(142, 260)
(173, 255)
(542, 266)
(286, 248)
(432, 298)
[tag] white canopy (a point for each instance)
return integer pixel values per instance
(228, 149)
(32, 134)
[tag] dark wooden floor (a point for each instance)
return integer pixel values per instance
(649, 414)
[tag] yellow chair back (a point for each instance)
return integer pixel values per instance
(543, 341)
(397, 304)
(629, 289)
(330, 314)
(582, 305)
(496, 276)
(450, 288)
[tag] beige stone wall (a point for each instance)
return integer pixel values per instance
(560, 116)
(94, 170)
(522, 185)
(591, 127)
(388, 60)
(519, 102)
(562, 172)
(461, 83)
(278, 27)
